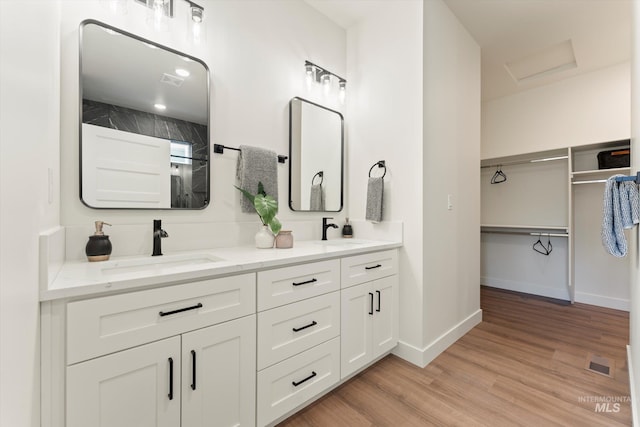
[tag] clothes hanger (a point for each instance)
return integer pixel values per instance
(499, 176)
(540, 247)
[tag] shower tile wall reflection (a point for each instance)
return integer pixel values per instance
(188, 180)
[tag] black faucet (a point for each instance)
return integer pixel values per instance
(325, 226)
(158, 234)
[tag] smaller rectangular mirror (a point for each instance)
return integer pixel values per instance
(316, 157)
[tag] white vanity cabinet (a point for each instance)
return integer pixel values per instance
(298, 339)
(200, 371)
(369, 309)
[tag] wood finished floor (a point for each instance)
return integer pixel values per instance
(523, 365)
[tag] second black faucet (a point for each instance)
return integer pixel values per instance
(325, 226)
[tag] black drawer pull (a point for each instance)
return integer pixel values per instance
(170, 378)
(296, 384)
(304, 283)
(314, 323)
(193, 372)
(180, 310)
(378, 309)
(371, 304)
(375, 266)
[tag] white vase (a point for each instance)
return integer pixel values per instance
(264, 238)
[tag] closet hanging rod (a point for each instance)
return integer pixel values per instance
(219, 149)
(526, 233)
(522, 162)
(592, 181)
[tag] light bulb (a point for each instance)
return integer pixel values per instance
(309, 76)
(343, 91)
(160, 107)
(182, 72)
(325, 79)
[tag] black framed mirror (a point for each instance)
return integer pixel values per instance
(144, 123)
(316, 157)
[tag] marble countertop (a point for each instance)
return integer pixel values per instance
(120, 274)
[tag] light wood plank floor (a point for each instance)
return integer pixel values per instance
(523, 365)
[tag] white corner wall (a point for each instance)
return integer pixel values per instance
(29, 165)
(589, 108)
(451, 156)
(384, 122)
(634, 321)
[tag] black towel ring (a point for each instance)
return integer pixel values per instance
(380, 164)
(321, 175)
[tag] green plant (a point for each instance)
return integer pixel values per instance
(266, 207)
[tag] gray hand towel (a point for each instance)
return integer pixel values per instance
(257, 165)
(375, 189)
(316, 202)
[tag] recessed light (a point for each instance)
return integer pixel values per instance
(182, 72)
(160, 106)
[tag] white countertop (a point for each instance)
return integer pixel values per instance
(83, 278)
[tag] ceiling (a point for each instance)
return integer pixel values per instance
(509, 31)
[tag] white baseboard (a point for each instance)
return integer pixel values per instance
(422, 357)
(634, 407)
(603, 301)
(527, 288)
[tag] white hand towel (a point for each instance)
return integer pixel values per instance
(316, 202)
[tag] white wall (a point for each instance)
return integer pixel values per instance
(634, 321)
(414, 101)
(255, 51)
(451, 239)
(29, 129)
(384, 122)
(589, 108)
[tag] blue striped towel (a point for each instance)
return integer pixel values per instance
(620, 211)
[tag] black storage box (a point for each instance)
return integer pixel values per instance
(619, 158)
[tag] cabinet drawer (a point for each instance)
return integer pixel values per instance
(290, 284)
(290, 383)
(290, 329)
(367, 267)
(103, 325)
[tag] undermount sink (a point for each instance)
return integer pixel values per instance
(341, 242)
(157, 262)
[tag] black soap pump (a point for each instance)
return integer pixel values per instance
(99, 246)
(347, 230)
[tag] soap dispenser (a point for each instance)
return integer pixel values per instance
(347, 230)
(99, 246)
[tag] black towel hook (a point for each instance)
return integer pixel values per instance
(380, 164)
(319, 174)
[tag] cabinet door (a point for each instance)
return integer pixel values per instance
(219, 375)
(355, 328)
(139, 387)
(385, 315)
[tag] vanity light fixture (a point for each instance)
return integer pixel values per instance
(195, 22)
(323, 76)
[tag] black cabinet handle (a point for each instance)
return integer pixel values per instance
(193, 367)
(296, 384)
(375, 266)
(305, 283)
(180, 310)
(171, 378)
(371, 304)
(314, 323)
(378, 309)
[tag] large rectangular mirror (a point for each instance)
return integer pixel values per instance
(316, 157)
(144, 123)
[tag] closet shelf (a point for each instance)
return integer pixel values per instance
(600, 172)
(523, 227)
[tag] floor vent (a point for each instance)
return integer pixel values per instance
(600, 365)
